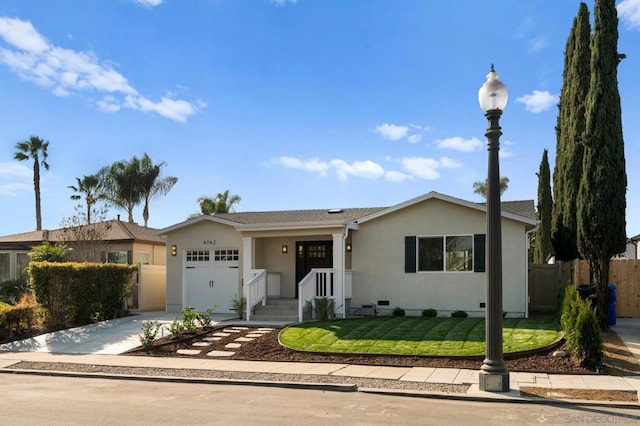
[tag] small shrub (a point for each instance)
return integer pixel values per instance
(459, 314)
(588, 350)
(149, 333)
(239, 304)
(324, 307)
(398, 312)
(203, 319)
(49, 253)
(176, 328)
(430, 313)
(190, 317)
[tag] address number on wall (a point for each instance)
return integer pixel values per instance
(209, 242)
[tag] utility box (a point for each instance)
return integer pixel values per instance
(368, 310)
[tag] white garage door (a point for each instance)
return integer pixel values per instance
(211, 279)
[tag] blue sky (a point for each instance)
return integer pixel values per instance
(291, 104)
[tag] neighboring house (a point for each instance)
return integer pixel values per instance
(428, 252)
(109, 241)
(632, 248)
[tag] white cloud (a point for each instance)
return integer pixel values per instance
(66, 72)
(149, 3)
(12, 170)
(457, 143)
(536, 44)
(364, 169)
(538, 101)
(395, 176)
(313, 165)
(629, 13)
(283, 2)
(391, 131)
(423, 168)
(450, 163)
(12, 189)
(505, 153)
(414, 138)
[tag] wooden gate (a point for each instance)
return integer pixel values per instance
(544, 283)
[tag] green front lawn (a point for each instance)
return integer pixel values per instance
(416, 335)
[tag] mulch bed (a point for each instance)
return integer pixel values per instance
(267, 348)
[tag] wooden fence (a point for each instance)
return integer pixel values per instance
(623, 273)
(545, 280)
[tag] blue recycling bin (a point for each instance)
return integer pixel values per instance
(611, 304)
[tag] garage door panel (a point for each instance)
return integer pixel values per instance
(211, 279)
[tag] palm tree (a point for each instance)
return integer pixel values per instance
(150, 184)
(480, 188)
(121, 184)
(90, 186)
(36, 149)
(221, 203)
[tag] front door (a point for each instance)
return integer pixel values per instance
(310, 255)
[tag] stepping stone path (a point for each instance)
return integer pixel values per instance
(219, 335)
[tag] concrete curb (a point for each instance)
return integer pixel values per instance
(332, 387)
(329, 387)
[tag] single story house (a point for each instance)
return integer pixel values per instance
(108, 241)
(427, 252)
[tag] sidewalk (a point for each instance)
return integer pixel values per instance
(99, 344)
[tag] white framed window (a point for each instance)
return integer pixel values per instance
(226, 255)
(5, 266)
(198, 255)
(449, 253)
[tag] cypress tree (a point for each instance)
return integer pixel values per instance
(543, 246)
(569, 133)
(602, 194)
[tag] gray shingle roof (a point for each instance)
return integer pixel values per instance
(115, 231)
(298, 216)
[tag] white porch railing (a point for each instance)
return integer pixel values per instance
(317, 283)
(255, 291)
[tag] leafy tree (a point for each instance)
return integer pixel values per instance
(543, 246)
(34, 149)
(602, 193)
(569, 137)
(221, 203)
(88, 187)
(480, 188)
(48, 252)
(151, 185)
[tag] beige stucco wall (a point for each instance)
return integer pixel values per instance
(378, 262)
(203, 235)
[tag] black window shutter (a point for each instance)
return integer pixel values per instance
(409, 254)
(479, 249)
(130, 257)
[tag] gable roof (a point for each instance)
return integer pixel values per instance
(521, 211)
(115, 231)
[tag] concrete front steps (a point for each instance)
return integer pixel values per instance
(276, 309)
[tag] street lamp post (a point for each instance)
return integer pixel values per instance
(494, 375)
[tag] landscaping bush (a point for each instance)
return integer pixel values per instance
(324, 308)
(398, 312)
(15, 319)
(239, 304)
(150, 330)
(192, 319)
(79, 293)
(459, 314)
(49, 253)
(581, 329)
(430, 313)
(12, 290)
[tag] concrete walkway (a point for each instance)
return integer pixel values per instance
(99, 344)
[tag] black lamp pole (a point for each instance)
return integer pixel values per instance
(494, 375)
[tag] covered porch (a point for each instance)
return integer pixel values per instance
(295, 270)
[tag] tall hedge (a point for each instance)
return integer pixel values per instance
(77, 293)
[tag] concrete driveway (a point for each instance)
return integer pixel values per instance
(107, 337)
(628, 329)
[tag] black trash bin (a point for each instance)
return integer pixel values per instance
(589, 292)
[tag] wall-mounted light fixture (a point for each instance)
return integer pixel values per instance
(174, 250)
(285, 249)
(348, 248)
